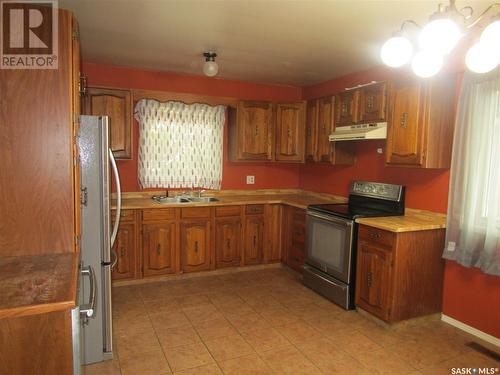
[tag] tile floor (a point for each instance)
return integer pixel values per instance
(266, 322)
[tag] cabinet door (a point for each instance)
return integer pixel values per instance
(117, 105)
(312, 110)
(290, 132)
(254, 237)
(325, 128)
(372, 103)
(195, 245)
(158, 248)
(374, 282)
(227, 242)
(347, 108)
(255, 130)
(405, 133)
(124, 247)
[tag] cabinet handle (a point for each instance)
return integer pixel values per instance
(344, 109)
(404, 119)
(254, 241)
(309, 131)
(228, 244)
(122, 252)
(369, 279)
(369, 103)
(158, 249)
(374, 235)
(256, 130)
(195, 246)
(288, 132)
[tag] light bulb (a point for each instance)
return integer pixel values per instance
(396, 51)
(491, 35)
(440, 35)
(427, 63)
(481, 58)
(210, 68)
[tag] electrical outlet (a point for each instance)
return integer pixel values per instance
(380, 151)
(250, 180)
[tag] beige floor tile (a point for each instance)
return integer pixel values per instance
(247, 322)
(169, 320)
(129, 343)
(247, 365)
(235, 308)
(298, 332)
(162, 305)
(264, 339)
(355, 342)
(188, 356)
(202, 370)
(111, 367)
(193, 300)
(385, 362)
(329, 326)
(212, 329)
(141, 322)
(150, 363)
(279, 317)
(177, 336)
(228, 347)
(288, 360)
(323, 352)
(201, 313)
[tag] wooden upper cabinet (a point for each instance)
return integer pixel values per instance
(254, 239)
(227, 242)
(312, 110)
(347, 108)
(421, 123)
(325, 128)
(290, 132)
(372, 103)
(125, 249)
(117, 105)
(251, 131)
(158, 248)
(195, 245)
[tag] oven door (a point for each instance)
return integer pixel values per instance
(329, 244)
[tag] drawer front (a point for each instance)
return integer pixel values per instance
(227, 211)
(125, 215)
(375, 235)
(254, 209)
(158, 214)
(195, 212)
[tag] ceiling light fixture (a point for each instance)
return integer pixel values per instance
(439, 37)
(210, 68)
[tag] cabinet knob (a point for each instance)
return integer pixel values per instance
(195, 246)
(256, 130)
(254, 241)
(404, 119)
(369, 279)
(158, 249)
(122, 252)
(288, 132)
(228, 244)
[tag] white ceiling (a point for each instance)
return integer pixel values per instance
(296, 42)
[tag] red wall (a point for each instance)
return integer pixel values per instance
(469, 295)
(233, 174)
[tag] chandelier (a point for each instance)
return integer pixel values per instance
(439, 37)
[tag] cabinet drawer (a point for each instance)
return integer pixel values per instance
(125, 215)
(375, 235)
(195, 212)
(158, 214)
(227, 211)
(254, 209)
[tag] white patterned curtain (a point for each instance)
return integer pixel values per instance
(473, 234)
(180, 145)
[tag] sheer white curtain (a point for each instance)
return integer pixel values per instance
(180, 145)
(473, 234)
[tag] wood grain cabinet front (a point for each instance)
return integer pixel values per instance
(312, 109)
(254, 239)
(346, 111)
(372, 103)
(125, 249)
(195, 245)
(117, 105)
(227, 242)
(290, 132)
(159, 248)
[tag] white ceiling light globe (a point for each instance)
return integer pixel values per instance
(427, 63)
(210, 68)
(440, 35)
(396, 51)
(491, 35)
(481, 58)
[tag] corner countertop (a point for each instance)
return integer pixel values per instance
(413, 220)
(37, 284)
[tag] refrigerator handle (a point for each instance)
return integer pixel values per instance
(88, 309)
(118, 195)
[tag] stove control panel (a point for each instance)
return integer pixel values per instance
(377, 190)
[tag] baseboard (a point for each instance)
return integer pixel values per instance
(473, 331)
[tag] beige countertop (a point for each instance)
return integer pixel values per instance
(413, 220)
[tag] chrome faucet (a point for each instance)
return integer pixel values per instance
(200, 192)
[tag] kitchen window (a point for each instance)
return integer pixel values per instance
(180, 145)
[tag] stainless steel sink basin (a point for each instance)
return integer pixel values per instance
(203, 199)
(165, 200)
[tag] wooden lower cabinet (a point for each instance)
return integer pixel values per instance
(273, 233)
(195, 247)
(227, 242)
(159, 248)
(125, 249)
(399, 275)
(254, 239)
(294, 224)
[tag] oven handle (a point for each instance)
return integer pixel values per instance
(343, 286)
(332, 219)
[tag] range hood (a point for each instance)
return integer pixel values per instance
(377, 130)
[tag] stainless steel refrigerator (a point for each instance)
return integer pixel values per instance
(97, 258)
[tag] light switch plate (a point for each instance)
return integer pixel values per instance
(250, 180)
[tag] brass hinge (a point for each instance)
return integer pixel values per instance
(77, 240)
(82, 84)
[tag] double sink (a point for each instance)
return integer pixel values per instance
(162, 199)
